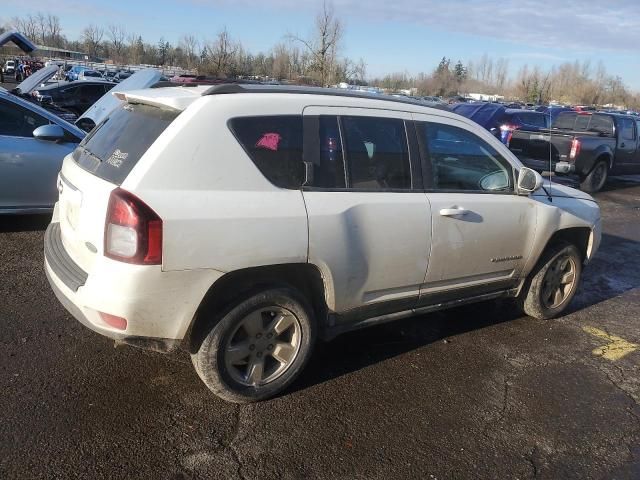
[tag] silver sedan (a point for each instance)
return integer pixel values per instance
(33, 143)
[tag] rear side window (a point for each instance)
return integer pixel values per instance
(274, 144)
(377, 153)
(114, 147)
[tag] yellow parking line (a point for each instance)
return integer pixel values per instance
(616, 347)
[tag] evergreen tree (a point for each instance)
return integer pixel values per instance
(460, 72)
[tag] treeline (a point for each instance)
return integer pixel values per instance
(576, 83)
(316, 59)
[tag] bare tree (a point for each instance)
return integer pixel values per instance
(27, 26)
(54, 30)
(221, 54)
(190, 46)
(92, 36)
(502, 70)
(117, 36)
(323, 46)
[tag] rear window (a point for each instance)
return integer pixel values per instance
(565, 121)
(581, 122)
(535, 119)
(274, 144)
(114, 147)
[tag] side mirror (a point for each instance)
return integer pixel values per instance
(529, 181)
(51, 133)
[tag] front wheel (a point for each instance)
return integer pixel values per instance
(553, 282)
(258, 347)
(596, 178)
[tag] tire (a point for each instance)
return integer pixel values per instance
(243, 334)
(596, 178)
(538, 298)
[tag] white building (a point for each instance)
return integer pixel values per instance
(484, 97)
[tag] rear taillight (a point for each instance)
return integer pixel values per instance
(575, 148)
(506, 133)
(132, 232)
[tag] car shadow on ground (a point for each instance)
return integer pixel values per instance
(359, 349)
(614, 271)
(23, 223)
(621, 182)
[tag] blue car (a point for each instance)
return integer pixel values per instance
(501, 121)
(34, 141)
(74, 72)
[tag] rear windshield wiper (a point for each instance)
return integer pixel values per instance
(90, 153)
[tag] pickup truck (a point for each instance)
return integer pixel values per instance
(591, 145)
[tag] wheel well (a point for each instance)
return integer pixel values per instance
(604, 156)
(304, 277)
(578, 236)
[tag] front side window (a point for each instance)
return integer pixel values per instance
(626, 132)
(377, 153)
(274, 144)
(461, 161)
(16, 121)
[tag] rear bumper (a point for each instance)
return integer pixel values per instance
(159, 306)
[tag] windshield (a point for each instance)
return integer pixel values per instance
(534, 118)
(114, 147)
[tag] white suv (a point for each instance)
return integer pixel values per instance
(243, 222)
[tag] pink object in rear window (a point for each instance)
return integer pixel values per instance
(269, 141)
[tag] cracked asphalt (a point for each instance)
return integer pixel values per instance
(475, 392)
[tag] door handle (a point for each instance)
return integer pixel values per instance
(453, 211)
(622, 145)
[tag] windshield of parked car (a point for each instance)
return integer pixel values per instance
(535, 119)
(114, 147)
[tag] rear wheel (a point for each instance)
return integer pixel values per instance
(553, 282)
(596, 178)
(259, 347)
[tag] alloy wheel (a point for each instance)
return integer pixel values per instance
(558, 282)
(263, 346)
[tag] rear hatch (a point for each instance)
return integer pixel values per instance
(99, 165)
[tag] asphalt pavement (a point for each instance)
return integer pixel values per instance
(475, 392)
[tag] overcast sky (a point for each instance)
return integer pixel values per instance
(391, 35)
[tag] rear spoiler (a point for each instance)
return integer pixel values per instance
(178, 103)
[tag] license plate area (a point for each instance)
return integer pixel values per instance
(70, 202)
(540, 138)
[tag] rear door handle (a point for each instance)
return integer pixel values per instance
(453, 211)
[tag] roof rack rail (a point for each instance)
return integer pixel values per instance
(228, 88)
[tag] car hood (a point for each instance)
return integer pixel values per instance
(559, 190)
(108, 102)
(31, 82)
